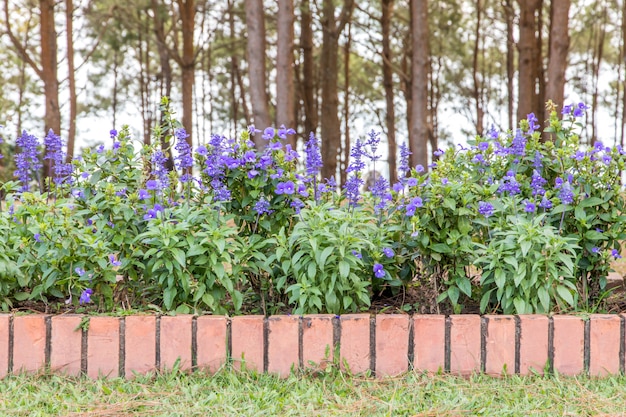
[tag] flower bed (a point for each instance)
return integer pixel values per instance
(384, 345)
(512, 224)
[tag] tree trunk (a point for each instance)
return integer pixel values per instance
(478, 102)
(528, 67)
(557, 52)
(285, 94)
(419, 133)
(623, 128)
(510, 60)
(308, 69)
(255, 24)
(71, 135)
(331, 127)
(345, 158)
(187, 10)
(596, 63)
(390, 115)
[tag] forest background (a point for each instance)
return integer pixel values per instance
(427, 73)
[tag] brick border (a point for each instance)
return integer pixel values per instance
(380, 345)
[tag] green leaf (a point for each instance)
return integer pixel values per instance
(520, 305)
(465, 286)
(453, 295)
(544, 298)
(441, 248)
(344, 269)
(579, 214)
(324, 256)
(500, 278)
(168, 297)
(590, 202)
(565, 295)
(595, 235)
(179, 255)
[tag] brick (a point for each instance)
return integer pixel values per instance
(317, 340)
(604, 344)
(354, 347)
(569, 345)
(5, 320)
(29, 343)
(465, 344)
(533, 343)
(66, 344)
(139, 345)
(429, 339)
(175, 334)
(282, 348)
(392, 344)
(247, 342)
(500, 345)
(103, 347)
(211, 342)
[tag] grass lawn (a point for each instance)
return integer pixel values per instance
(231, 393)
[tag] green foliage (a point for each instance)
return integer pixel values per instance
(322, 257)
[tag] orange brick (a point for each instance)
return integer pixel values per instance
(354, 346)
(139, 345)
(29, 343)
(5, 320)
(533, 343)
(66, 344)
(282, 349)
(429, 339)
(465, 344)
(317, 340)
(176, 341)
(569, 345)
(103, 347)
(392, 344)
(604, 344)
(500, 345)
(247, 341)
(211, 342)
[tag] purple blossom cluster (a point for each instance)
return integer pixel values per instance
(27, 160)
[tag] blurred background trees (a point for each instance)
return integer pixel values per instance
(426, 73)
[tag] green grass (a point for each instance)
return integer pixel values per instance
(232, 393)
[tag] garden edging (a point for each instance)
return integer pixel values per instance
(384, 344)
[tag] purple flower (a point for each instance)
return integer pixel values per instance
(379, 271)
(159, 170)
(397, 187)
(567, 109)
(615, 254)
(113, 261)
(297, 204)
(485, 209)
(388, 252)
(438, 152)
(403, 168)
(493, 133)
(411, 181)
(184, 160)
(509, 184)
(27, 161)
(152, 185)
(54, 152)
(532, 123)
(79, 271)
(483, 146)
(566, 194)
(285, 188)
(529, 207)
(313, 157)
(268, 133)
(37, 237)
(579, 110)
(357, 254)
(444, 181)
(546, 203)
(302, 190)
(607, 159)
(113, 133)
(202, 150)
(262, 206)
(283, 132)
(143, 194)
(537, 182)
(85, 296)
(419, 168)
(595, 249)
